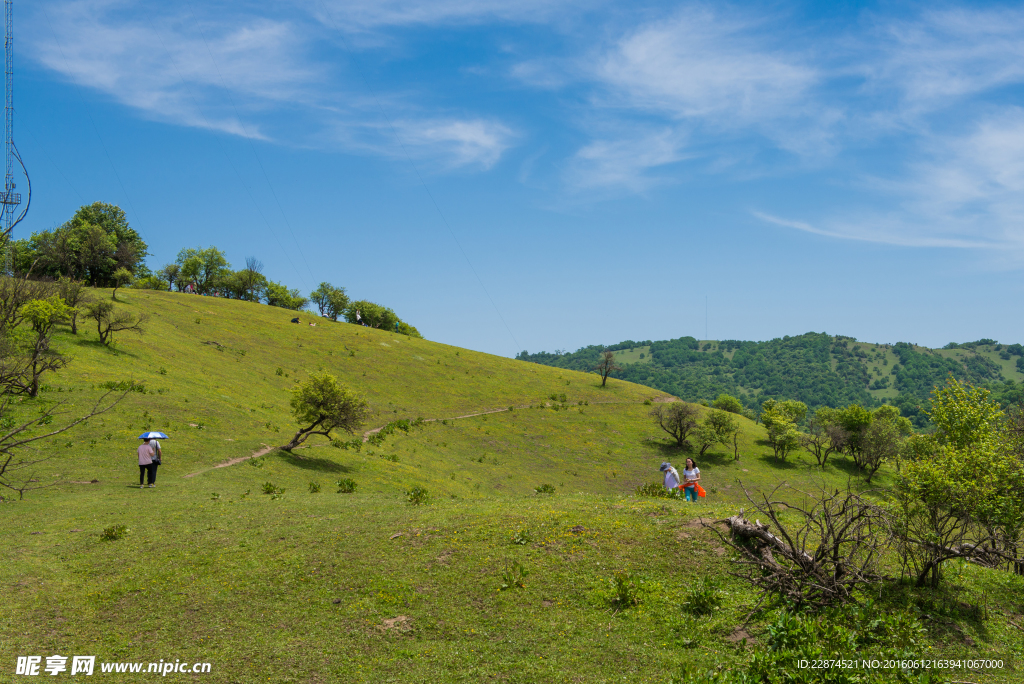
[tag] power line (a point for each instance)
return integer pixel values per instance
(416, 170)
(226, 155)
(93, 122)
(251, 145)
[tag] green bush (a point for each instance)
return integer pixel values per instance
(514, 576)
(522, 537)
(346, 486)
(626, 590)
(314, 487)
(545, 489)
(114, 532)
(702, 598)
(416, 496)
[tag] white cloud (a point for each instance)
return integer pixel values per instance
(941, 57)
(702, 65)
(626, 162)
(464, 142)
(242, 75)
(362, 15)
(967, 193)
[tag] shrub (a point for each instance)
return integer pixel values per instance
(513, 576)
(416, 496)
(522, 537)
(545, 489)
(114, 532)
(346, 486)
(626, 590)
(314, 487)
(271, 488)
(702, 598)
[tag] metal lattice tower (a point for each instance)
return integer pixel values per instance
(9, 199)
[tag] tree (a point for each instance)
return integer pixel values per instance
(109, 322)
(205, 267)
(606, 365)
(320, 405)
(94, 243)
(779, 419)
(677, 419)
(372, 315)
(75, 295)
(728, 403)
(279, 295)
(823, 436)
(122, 277)
(252, 280)
(331, 301)
(170, 273)
(716, 428)
(960, 492)
(854, 419)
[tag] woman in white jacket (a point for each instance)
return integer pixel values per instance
(671, 476)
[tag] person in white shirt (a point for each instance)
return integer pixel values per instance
(671, 476)
(691, 476)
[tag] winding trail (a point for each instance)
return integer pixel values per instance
(366, 435)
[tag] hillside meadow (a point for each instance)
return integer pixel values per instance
(485, 580)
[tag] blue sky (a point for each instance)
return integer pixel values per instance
(543, 175)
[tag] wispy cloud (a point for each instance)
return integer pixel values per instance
(626, 162)
(244, 75)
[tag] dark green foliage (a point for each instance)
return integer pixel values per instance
(416, 496)
(702, 597)
(545, 489)
(815, 368)
(346, 486)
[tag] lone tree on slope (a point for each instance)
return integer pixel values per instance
(320, 405)
(606, 366)
(677, 419)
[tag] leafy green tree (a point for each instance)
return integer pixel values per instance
(960, 492)
(122, 277)
(320, 405)
(331, 301)
(677, 419)
(207, 268)
(824, 436)
(43, 315)
(92, 245)
(883, 438)
(854, 420)
(779, 419)
(716, 428)
(170, 273)
(372, 315)
(279, 295)
(729, 403)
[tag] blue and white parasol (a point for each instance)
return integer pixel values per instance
(153, 435)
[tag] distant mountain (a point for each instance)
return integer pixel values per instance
(815, 368)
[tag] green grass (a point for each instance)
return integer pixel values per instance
(364, 586)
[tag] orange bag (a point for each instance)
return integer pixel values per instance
(700, 491)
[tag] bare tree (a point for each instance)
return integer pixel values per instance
(16, 467)
(75, 295)
(252, 278)
(831, 549)
(109, 322)
(677, 419)
(606, 366)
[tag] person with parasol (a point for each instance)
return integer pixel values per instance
(149, 457)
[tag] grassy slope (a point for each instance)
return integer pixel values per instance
(299, 588)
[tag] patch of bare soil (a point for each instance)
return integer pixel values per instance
(739, 634)
(400, 624)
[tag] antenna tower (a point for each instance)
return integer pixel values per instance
(10, 200)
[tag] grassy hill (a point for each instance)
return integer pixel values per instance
(816, 368)
(306, 586)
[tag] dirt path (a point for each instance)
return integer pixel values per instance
(368, 433)
(234, 461)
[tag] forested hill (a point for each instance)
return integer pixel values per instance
(815, 368)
